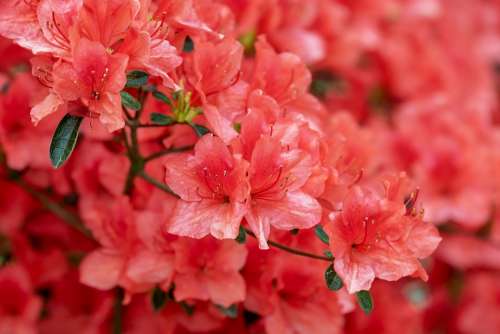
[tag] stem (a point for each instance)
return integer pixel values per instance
(136, 160)
(125, 140)
(167, 151)
(157, 183)
(118, 311)
(154, 125)
(291, 250)
(67, 216)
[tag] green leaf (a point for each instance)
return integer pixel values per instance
(365, 301)
(230, 312)
(328, 254)
(242, 236)
(333, 281)
(161, 119)
(136, 79)
(64, 139)
(188, 45)
(158, 298)
(321, 234)
(162, 97)
(129, 101)
(199, 129)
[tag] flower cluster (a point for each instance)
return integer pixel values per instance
(186, 166)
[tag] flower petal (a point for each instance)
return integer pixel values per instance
(101, 269)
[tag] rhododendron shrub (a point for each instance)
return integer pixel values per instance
(172, 166)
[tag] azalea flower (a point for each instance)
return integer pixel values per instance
(207, 269)
(213, 190)
(377, 236)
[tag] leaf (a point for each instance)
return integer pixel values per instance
(333, 281)
(242, 236)
(321, 234)
(64, 139)
(199, 129)
(230, 312)
(188, 45)
(158, 298)
(365, 301)
(328, 254)
(161, 119)
(162, 97)
(136, 79)
(129, 101)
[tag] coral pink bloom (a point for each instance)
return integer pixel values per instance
(20, 306)
(467, 252)
(24, 145)
(76, 308)
(156, 56)
(375, 235)
(290, 294)
(99, 172)
(157, 243)
(213, 188)
(95, 77)
(40, 26)
(479, 307)
(107, 22)
(233, 105)
(213, 67)
(15, 206)
(283, 76)
(277, 173)
(389, 297)
(183, 15)
(119, 258)
(208, 269)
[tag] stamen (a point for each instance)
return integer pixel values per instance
(410, 202)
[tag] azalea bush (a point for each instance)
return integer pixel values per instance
(201, 166)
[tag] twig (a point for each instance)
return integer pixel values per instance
(167, 151)
(157, 183)
(290, 249)
(118, 311)
(67, 216)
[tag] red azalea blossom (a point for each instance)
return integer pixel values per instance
(375, 236)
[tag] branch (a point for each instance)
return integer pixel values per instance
(118, 311)
(290, 249)
(67, 216)
(167, 151)
(157, 183)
